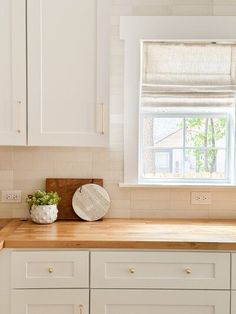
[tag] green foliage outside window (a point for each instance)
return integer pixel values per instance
(205, 133)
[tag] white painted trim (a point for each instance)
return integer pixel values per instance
(135, 29)
(178, 28)
(177, 186)
(131, 111)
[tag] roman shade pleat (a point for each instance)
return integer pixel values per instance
(188, 74)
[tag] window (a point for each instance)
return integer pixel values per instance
(179, 100)
(187, 112)
(185, 146)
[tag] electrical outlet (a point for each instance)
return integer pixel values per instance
(201, 198)
(11, 196)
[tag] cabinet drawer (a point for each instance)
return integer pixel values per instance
(154, 301)
(42, 269)
(160, 270)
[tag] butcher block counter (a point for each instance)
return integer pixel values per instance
(7, 227)
(122, 233)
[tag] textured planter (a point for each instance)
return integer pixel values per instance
(44, 214)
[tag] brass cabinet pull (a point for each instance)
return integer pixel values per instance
(81, 307)
(188, 271)
(103, 119)
(50, 270)
(18, 117)
(131, 270)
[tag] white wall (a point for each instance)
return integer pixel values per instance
(27, 168)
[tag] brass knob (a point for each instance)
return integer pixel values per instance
(81, 309)
(50, 270)
(188, 271)
(131, 270)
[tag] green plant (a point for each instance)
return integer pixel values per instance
(43, 198)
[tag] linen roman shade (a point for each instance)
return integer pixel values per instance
(202, 74)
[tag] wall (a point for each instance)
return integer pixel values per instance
(26, 168)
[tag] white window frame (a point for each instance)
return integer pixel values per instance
(134, 30)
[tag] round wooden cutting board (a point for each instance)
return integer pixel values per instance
(91, 202)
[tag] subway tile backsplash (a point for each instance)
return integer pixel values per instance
(26, 168)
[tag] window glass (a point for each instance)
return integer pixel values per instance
(187, 112)
(188, 147)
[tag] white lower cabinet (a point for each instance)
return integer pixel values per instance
(117, 282)
(61, 301)
(50, 282)
(161, 302)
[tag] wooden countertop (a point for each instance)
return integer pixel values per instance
(124, 233)
(7, 226)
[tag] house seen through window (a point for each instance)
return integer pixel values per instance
(187, 112)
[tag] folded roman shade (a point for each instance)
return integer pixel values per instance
(188, 73)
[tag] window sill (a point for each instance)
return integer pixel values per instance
(177, 186)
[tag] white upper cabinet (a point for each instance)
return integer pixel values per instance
(68, 76)
(12, 72)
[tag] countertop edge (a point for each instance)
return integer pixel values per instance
(142, 245)
(128, 234)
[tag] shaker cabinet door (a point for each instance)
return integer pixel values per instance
(68, 72)
(12, 72)
(50, 301)
(161, 302)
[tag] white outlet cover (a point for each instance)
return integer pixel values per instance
(11, 196)
(201, 198)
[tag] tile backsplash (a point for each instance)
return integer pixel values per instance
(25, 168)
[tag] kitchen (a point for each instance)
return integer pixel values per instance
(63, 150)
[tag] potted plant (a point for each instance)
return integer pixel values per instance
(43, 206)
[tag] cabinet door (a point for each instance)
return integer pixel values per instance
(162, 302)
(68, 72)
(5, 281)
(233, 272)
(233, 302)
(50, 302)
(12, 73)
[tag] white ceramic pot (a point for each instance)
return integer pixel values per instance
(44, 214)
